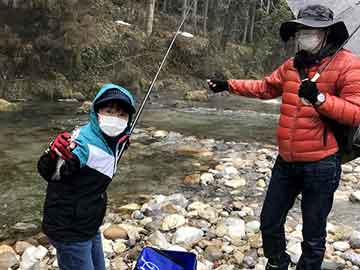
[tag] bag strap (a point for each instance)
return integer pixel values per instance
(304, 77)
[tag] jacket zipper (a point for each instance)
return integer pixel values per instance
(293, 129)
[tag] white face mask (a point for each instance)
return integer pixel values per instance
(111, 125)
(310, 40)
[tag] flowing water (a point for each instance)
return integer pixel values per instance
(25, 135)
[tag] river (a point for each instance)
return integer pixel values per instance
(25, 134)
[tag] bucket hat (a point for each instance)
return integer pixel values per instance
(315, 16)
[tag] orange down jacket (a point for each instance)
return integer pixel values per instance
(300, 132)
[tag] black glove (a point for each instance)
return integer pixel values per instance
(309, 91)
(218, 86)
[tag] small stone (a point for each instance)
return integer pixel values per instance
(261, 183)
(346, 168)
(119, 246)
(236, 182)
(159, 240)
(213, 253)
(118, 264)
(209, 214)
(253, 226)
(355, 240)
(128, 209)
(193, 179)
(160, 134)
(115, 232)
(355, 196)
(172, 222)
(20, 247)
(206, 179)
(137, 214)
(231, 171)
(187, 236)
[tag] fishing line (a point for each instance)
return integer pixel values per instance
(143, 103)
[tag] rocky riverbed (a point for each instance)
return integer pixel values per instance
(216, 216)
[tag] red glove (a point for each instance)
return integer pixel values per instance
(125, 139)
(61, 146)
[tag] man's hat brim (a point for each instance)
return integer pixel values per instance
(289, 28)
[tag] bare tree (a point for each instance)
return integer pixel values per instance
(195, 14)
(150, 16)
(184, 8)
(206, 11)
(165, 6)
(246, 26)
(253, 18)
(233, 8)
(268, 6)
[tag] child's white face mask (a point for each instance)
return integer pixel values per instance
(111, 125)
(310, 40)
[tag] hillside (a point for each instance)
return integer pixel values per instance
(64, 49)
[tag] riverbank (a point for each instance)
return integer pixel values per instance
(216, 215)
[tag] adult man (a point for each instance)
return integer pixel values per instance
(308, 162)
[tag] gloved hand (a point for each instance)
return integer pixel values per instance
(62, 146)
(218, 86)
(126, 139)
(309, 91)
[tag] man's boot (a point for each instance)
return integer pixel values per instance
(278, 263)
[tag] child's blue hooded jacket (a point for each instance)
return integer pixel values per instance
(75, 204)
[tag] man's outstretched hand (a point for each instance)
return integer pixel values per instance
(218, 86)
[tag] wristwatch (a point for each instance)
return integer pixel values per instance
(320, 99)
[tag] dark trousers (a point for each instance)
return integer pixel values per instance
(317, 182)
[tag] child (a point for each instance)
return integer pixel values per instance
(78, 169)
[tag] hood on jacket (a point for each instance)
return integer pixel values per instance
(109, 92)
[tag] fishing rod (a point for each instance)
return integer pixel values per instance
(318, 73)
(143, 103)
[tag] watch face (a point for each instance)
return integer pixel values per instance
(321, 97)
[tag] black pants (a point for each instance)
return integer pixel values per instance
(317, 182)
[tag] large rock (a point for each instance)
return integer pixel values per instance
(159, 240)
(187, 236)
(294, 250)
(201, 95)
(352, 257)
(21, 246)
(355, 240)
(24, 227)
(341, 246)
(8, 257)
(6, 106)
(32, 256)
(209, 213)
